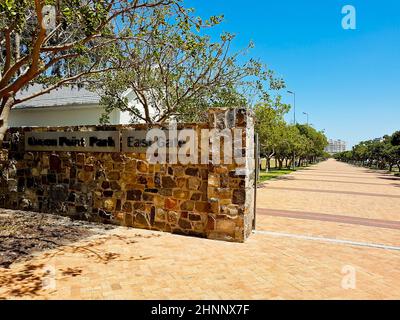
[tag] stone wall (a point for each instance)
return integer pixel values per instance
(206, 200)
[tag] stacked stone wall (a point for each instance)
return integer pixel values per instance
(207, 200)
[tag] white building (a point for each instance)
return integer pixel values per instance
(336, 146)
(64, 106)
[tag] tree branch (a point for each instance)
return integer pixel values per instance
(7, 34)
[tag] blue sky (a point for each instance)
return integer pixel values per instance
(347, 80)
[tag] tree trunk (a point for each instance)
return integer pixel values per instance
(280, 163)
(4, 113)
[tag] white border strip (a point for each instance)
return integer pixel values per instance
(331, 240)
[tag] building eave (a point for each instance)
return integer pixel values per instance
(55, 107)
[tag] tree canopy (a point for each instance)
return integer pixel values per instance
(67, 42)
(280, 140)
(156, 51)
(381, 153)
(180, 71)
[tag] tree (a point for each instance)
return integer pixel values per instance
(280, 140)
(181, 72)
(395, 138)
(395, 150)
(269, 124)
(289, 141)
(317, 142)
(382, 153)
(360, 152)
(84, 41)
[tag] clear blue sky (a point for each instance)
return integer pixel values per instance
(347, 80)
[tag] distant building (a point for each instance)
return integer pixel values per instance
(336, 146)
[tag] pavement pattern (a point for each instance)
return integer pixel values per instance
(330, 231)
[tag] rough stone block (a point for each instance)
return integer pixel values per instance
(239, 196)
(168, 182)
(187, 205)
(170, 203)
(181, 194)
(134, 195)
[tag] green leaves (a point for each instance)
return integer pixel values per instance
(214, 20)
(395, 139)
(67, 13)
(282, 140)
(89, 39)
(381, 152)
(12, 13)
(162, 53)
(9, 6)
(178, 69)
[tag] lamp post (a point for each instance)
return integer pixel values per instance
(294, 105)
(306, 113)
(294, 122)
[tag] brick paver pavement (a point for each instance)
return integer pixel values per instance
(140, 264)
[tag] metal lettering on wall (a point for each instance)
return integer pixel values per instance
(86, 141)
(134, 141)
(140, 140)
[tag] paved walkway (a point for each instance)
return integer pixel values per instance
(284, 259)
(333, 200)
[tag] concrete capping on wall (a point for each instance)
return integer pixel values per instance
(206, 200)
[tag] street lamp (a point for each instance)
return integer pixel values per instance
(306, 113)
(294, 105)
(294, 122)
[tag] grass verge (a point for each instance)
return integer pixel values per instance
(274, 173)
